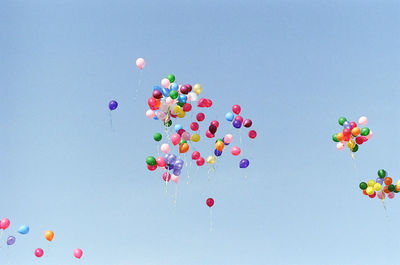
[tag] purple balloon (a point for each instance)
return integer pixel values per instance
(113, 105)
(10, 240)
(244, 163)
(176, 172)
(169, 167)
(379, 180)
(237, 124)
(217, 153)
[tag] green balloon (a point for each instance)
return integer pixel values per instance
(182, 142)
(391, 187)
(218, 140)
(342, 120)
(151, 160)
(168, 124)
(157, 137)
(334, 138)
(355, 149)
(171, 78)
(364, 131)
(382, 173)
(173, 94)
(180, 104)
(363, 185)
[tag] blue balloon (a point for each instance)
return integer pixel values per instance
(229, 116)
(178, 127)
(346, 124)
(379, 180)
(169, 167)
(23, 230)
(237, 124)
(155, 117)
(157, 88)
(165, 92)
(217, 153)
(244, 163)
(182, 98)
(174, 86)
(113, 105)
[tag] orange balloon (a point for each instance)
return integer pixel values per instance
(386, 189)
(158, 103)
(388, 180)
(183, 148)
(219, 145)
(365, 192)
(355, 131)
(398, 187)
(340, 136)
(49, 235)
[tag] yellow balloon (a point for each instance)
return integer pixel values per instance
(197, 89)
(370, 190)
(398, 183)
(211, 159)
(371, 183)
(49, 235)
(377, 187)
(177, 109)
(181, 114)
(351, 144)
(195, 138)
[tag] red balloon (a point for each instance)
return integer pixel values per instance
(359, 140)
(151, 168)
(166, 176)
(236, 109)
(212, 128)
(194, 126)
(172, 115)
(252, 134)
(209, 103)
(372, 195)
(200, 161)
(189, 87)
(346, 132)
(187, 107)
(200, 116)
(202, 103)
(247, 123)
(152, 102)
(181, 131)
(195, 155)
(157, 94)
(184, 89)
(346, 138)
(209, 134)
(353, 125)
(215, 123)
(210, 202)
(239, 118)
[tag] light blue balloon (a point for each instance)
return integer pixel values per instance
(229, 116)
(178, 127)
(165, 92)
(157, 88)
(174, 86)
(182, 98)
(23, 230)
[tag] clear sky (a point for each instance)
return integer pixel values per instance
(293, 66)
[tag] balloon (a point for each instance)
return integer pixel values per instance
(342, 120)
(355, 131)
(211, 159)
(209, 134)
(355, 148)
(379, 180)
(381, 195)
(4, 223)
(187, 107)
(173, 94)
(363, 120)
(150, 114)
(178, 127)
(170, 158)
(78, 253)
(49, 235)
(175, 178)
(140, 63)
(195, 137)
(219, 145)
(371, 183)
(334, 138)
(210, 202)
(165, 83)
(382, 173)
(165, 148)
(180, 132)
(346, 132)
(200, 161)
(247, 123)
(195, 155)
(183, 148)
(236, 109)
(161, 161)
(363, 185)
(217, 153)
(372, 195)
(186, 136)
(239, 118)
(353, 125)
(340, 137)
(346, 124)
(377, 187)
(365, 131)
(171, 78)
(166, 176)
(39, 252)
(151, 161)
(197, 88)
(370, 135)
(340, 146)
(157, 137)
(351, 144)
(10, 240)
(182, 98)
(176, 172)
(359, 140)
(215, 123)
(151, 168)
(157, 94)
(194, 126)
(23, 230)
(175, 139)
(391, 195)
(237, 124)
(212, 129)
(235, 150)
(244, 163)
(370, 190)
(252, 134)
(229, 116)
(228, 138)
(388, 180)
(113, 105)
(200, 116)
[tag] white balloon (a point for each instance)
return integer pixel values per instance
(363, 120)
(175, 178)
(340, 146)
(193, 96)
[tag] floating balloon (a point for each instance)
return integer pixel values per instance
(49, 235)
(200, 116)
(10, 240)
(210, 202)
(195, 155)
(200, 161)
(229, 116)
(113, 105)
(252, 134)
(247, 123)
(211, 160)
(363, 120)
(236, 109)
(157, 137)
(175, 178)
(166, 176)
(140, 63)
(4, 223)
(228, 138)
(39, 252)
(244, 163)
(175, 139)
(235, 151)
(78, 253)
(165, 148)
(197, 89)
(23, 230)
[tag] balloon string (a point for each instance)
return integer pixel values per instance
(139, 84)
(111, 123)
(176, 195)
(211, 220)
(187, 171)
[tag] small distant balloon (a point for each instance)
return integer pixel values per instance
(49, 235)
(10, 240)
(140, 63)
(113, 105)
(78, 253)
(4, 223)
(39, 252)
(23, 230)
(210, 202)
(244, 163)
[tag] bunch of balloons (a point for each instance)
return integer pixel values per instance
(381, 186)
(168, 163)
(352, 135)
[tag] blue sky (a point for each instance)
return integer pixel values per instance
(293, 66)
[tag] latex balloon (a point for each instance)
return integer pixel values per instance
(194, 126)
(370, 135)
(217, 152)
(212, 129)
(228, 138)
(247, 123)
(365, 131)
(382, 173)
(235, 150)
(186, 136)
(197, 88)
(165, 148)
(342, 120)
(210, 202)
(219, 146)
(78, 253)
(363, 185)
(178, 127)
(195, 138)
(10, 240)
(23, 230)
(200, 116)
(236, 109)
(39, 252)
(200, 161)
(171, 78)
(215, 123)
(340, 146)
(209, 134)
(239, 118)
(173, 94)
(140, 63)
(157, 94)
(187, 107)
(211, 160)
(252, 134)
(157, 137)
(150, 114)
(237, 124)
(244, 163)
(355, 131)
(193, 96)
(363, 120)
(166, 176)
(161, 161)
(49, 235)
(113, 105)
(4, 223)
(195, 155)
(175, 178)
(175, 139)
(391, 195)
(229, 116)
(165, 83)
(183, 148)
(150, 160)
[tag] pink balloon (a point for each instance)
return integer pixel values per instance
(186, 136)
(362, 120)
(235, 151)
(39, 252)
(209, 134)
(391, 195)
(252, 134)
(166, 176)
(236, 109)
(370, 135)
(215, 123)
(175, 178)
(165, 83)
(4, 223)
(140, 63)
(195, 155)
(340, 146)
(175, 139)
(169, 101)
(150, 114)
(161, 161)
(239, 118)
(78, 253)
(165, 148)
(228, 138)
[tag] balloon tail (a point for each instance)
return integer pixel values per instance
(139, 85)
(384, 206)
(211, 220)
(111, 123)
(352, 155)
(187, 172)
(176, 195)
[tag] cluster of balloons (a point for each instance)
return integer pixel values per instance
(168, 162)
(381, 186)
(352, 135)
(24, 229)
(238, 121)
